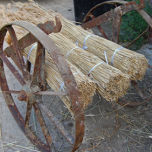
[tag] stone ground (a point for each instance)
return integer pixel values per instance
(135, 125)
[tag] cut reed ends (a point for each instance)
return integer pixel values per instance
(112, 83)
(86, 86)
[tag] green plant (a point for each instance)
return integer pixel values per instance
(133, 25)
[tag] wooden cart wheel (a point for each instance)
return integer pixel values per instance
(32, 85)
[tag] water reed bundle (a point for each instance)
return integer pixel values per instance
(85, 85)
(129, 62)
(112, 83)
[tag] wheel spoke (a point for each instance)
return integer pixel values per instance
(102, 32)
(116, 26)
(38, 73)
(12, 91)
(50, 93)
(42, 124)
(79, 130)
(42, 76)
(99, 27)
(58, 125)
(28, 113)
(12, 69)
(18, 52)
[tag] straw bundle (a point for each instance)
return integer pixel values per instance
(112, 83)
(31, 13)
(129, 62)
(86, 86)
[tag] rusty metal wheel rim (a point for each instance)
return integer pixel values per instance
(116, 24)
(115, 14)
(99, 5)
(66, 74)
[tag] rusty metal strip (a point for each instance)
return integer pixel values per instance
(28, 113)
(38, 76)
(58, 125)
(108, 15)
(22, 44)
(146, 17)
(12, 69)
(50, 93)
(79, 130)
(13, 91)
(99, 27)
(49, 26)
(133, 41)
(42, 124)
(16, 49)
(19, 56)
(141, 4)
(14, 58)
(101, 4)
(116, 25)
(102, 31)
(42, 73)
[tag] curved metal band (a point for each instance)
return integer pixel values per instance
(125, 7)
(66, 74)
(99, 5)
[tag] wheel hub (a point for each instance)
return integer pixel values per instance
(28, 92)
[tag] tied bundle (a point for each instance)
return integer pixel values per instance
(129, 62)
(86, 86)
(112, 83)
